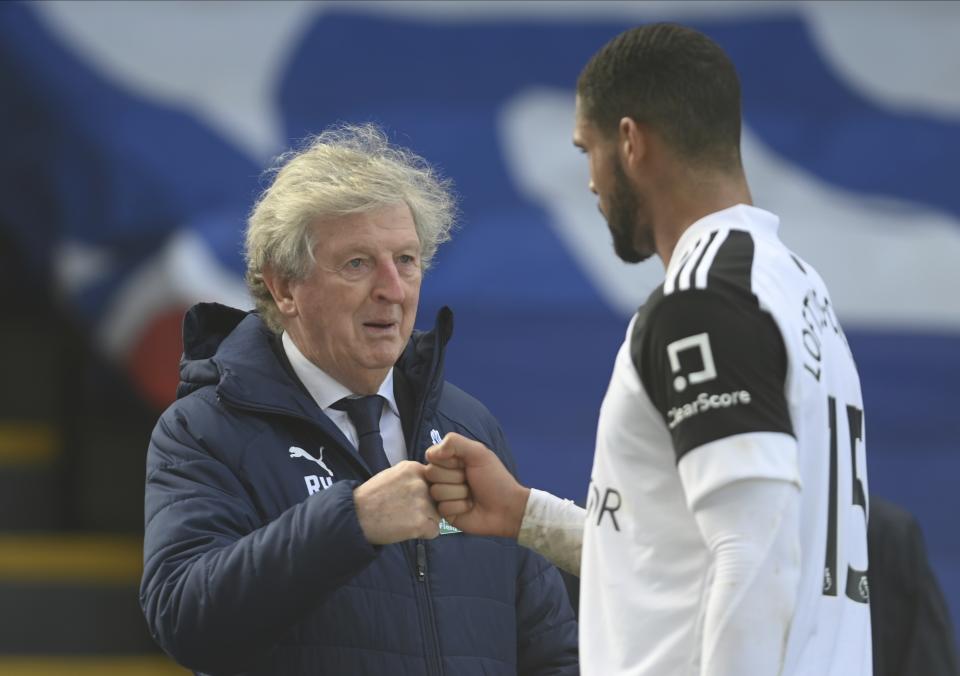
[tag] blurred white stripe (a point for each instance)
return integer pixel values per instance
(887, 263)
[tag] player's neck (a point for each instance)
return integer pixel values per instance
(688, 200)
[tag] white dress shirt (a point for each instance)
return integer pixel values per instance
(326, 391)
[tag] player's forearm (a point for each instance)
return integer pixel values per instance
(746, 633)
(553, 528)
(752, 530)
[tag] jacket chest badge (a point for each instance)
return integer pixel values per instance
(315, 482)
(447, 528)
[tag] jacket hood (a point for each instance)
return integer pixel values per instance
(235, 351)
(205, 326)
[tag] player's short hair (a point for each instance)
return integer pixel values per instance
(674, 79)
(346, 169)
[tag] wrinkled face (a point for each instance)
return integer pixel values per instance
(622, 207)
(354, 312)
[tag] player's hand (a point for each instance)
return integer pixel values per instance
(473, 490)
(395, 505)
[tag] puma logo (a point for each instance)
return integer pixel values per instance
(297, 452)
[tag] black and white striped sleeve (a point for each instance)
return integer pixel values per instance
(711, 359)
(713, 368)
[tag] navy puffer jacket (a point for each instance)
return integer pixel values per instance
(255, 563)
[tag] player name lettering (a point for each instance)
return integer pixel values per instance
(706, 402)
(816, 315)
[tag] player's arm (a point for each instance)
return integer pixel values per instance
(715, 366)
(553, 527)
(477, 494)
(752, 529)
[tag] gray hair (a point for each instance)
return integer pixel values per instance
(346, 169)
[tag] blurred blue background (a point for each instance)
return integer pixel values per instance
(133, 137)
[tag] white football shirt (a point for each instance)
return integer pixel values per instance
(740, 339)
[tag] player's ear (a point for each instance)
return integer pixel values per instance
(631, 141)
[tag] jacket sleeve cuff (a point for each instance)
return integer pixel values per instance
(331, 523)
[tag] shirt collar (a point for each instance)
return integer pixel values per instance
(737, 217)
(324, 389)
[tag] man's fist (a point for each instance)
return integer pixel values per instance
(395, 505)
(473, 490)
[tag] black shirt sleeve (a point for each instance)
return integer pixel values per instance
(714, 365)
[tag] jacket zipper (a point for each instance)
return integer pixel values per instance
(421, 547)
(432, 647)
(432, 639)
(421, 562)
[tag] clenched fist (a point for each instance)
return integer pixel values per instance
(395, 505)
(473, 490)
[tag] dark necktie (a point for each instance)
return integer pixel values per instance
(364, 413)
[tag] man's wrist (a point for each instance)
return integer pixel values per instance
(553, 527)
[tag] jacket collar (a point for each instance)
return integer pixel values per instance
(420, 371)
(238, 353)
(324, 388)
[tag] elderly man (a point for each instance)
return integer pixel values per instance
(289, 527)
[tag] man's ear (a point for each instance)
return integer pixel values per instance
(281, 289)
(632, 142)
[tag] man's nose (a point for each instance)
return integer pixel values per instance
(592, 188)
(389, 286)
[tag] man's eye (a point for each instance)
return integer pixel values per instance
(406, 259)
(355, 267)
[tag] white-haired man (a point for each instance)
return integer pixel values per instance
(289, 527)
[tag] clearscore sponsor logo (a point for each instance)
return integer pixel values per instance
(706, 402)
